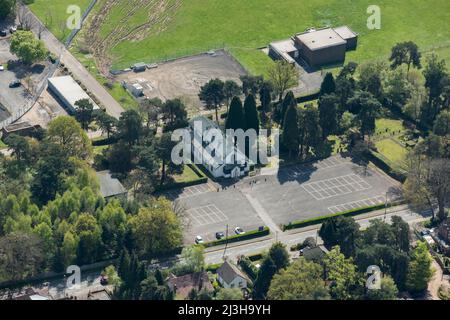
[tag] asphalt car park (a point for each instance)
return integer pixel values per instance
(10, 98)
(294, 193)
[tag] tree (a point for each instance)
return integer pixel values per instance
(388, 290)
(151, 108)
(89, 233)
(366, 108)
(235, 117)
(428, 179)
(405, 53)
(67, 133)
(251, 84)
(397, 88)
(262, 283)
(19, 147)
(341, 231)
(7, 8)
(442, 123)
(370, 76)
(174, 114)
(130, 127)
(106, 123)
(328, 85)
(156, 229)
(213, 94)
(27, 47)
(251, 114)
(310, 130)
(328, 114)
(279, 255)
(290, 135)
(68, 249)
(346, 282)
(84, 112)
(420, 270)
(265, 96)
(51, 167)
(435, 72)
(302, 280)
(21, 255)
(283, 76)
(345, 84)
(193, 259)
(289, 100)
(229, 294)
(401, 233)
(164, 153)
(230, 89)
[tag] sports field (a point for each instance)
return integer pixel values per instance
(54, 14)
(153, 30)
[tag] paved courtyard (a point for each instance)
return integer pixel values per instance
(293, 193)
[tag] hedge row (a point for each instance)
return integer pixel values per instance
(348, 213)
(377, 159)
(176, 185)
(239, 237)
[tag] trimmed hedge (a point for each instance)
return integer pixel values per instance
(239, 237)
(213, 267)
(397, 174)
(176, 185)
(348, 213)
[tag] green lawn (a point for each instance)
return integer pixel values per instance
(384, 126)
(54, 14)
(393, 151)
(188, 175)
(244, 26)
(2, 145)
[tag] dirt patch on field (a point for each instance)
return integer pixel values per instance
(182, 78)
(130, 27)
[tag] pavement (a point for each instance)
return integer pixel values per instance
(281, 196)
(79, 71)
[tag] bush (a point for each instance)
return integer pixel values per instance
(396, 173)
(213, 267)
(248, 267)
(348, 213)
(239, 237)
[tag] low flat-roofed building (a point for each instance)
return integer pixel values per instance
(284, 49)
(321, 47)
(348, 35)
(110, 187)
(69, 92)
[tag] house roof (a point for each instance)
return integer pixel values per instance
(183, 285)
(228, 272)
(316, 253)
(283, 48)
(320, 39)
(109, 186)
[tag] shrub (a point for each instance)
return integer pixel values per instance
(239, 237)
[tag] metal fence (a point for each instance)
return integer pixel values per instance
(30, 103)
(83, 17)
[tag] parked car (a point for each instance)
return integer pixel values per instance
(238, 230)
(219, 235)
(13, 29)
(2, 68)
(15, 84)
(3, 33)
(198, 240)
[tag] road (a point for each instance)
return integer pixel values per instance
(79, 71)
(215, 255)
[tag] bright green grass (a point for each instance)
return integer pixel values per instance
(188, 175)
(2, 145)
(54, 14)
(392, 151)
(244, 26)
(391, 125)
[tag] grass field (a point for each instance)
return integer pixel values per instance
(192, 26)
(54, 14)
(393, 151)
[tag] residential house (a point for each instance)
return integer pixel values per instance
(181, 286)
(230, 276)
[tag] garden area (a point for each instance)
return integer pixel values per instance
(393, 142)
